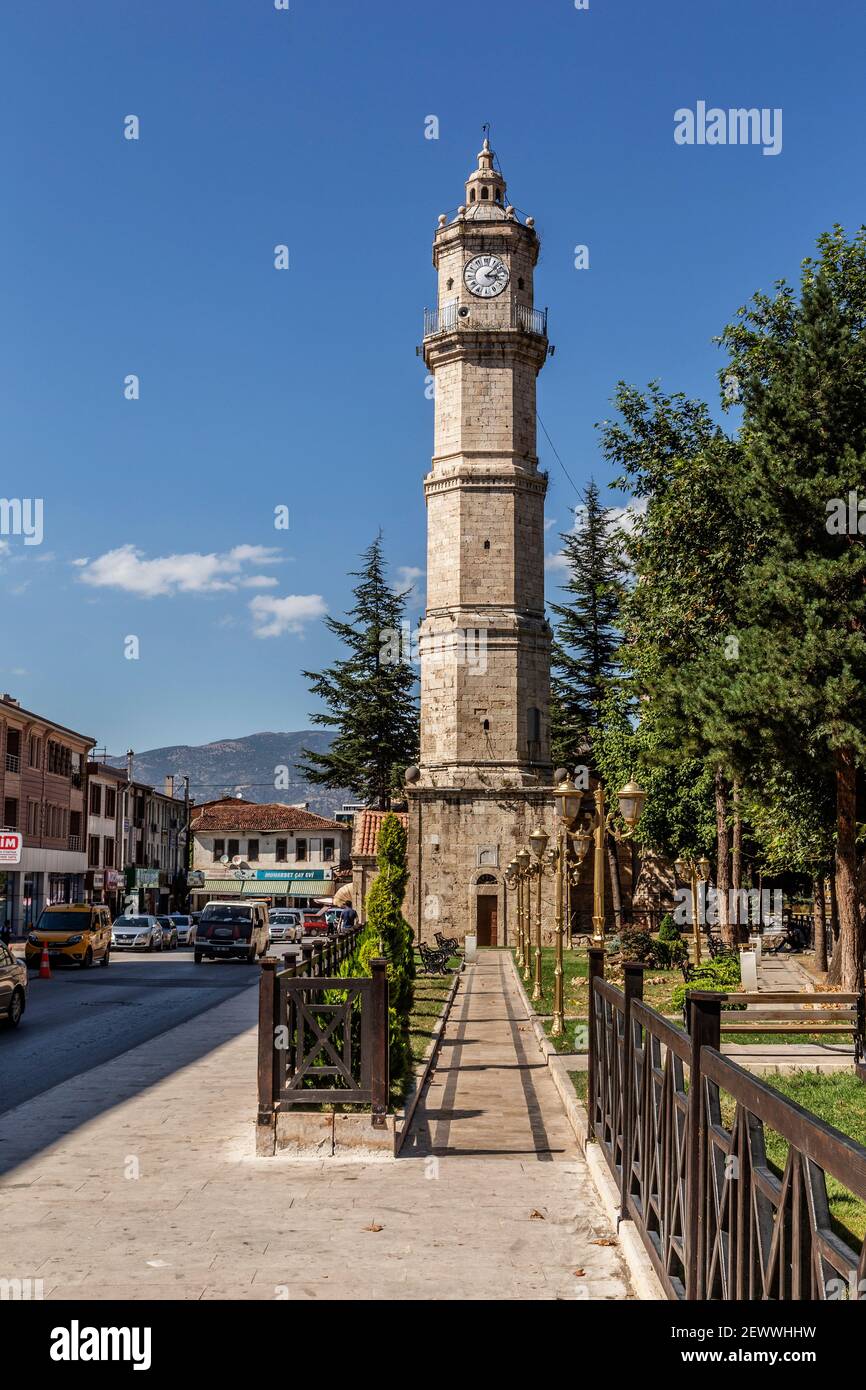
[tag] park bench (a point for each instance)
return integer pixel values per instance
(446, 943)
(434, 961)
(836, 1015)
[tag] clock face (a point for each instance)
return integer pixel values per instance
(486, 276)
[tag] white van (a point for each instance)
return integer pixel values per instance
(232, 929)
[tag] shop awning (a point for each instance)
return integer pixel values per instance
(304, 888)
(223, 887)
(265, 888)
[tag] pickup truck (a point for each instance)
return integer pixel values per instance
(316, 923)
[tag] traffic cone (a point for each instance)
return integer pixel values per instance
(44, 964)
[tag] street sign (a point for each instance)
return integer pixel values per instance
(10, 847)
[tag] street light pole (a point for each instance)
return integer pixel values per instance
(598, 870)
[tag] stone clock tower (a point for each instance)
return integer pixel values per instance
(484, 643)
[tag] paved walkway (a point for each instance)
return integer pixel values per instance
(139, 1179)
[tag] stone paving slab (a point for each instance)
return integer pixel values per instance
(160, 1195)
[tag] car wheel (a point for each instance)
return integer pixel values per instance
(106, 957)
(16, 1008)
(88, 959)
(196, 955)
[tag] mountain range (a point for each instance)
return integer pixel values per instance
(261, 767)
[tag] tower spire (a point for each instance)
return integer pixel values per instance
(485, 185)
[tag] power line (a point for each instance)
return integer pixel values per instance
(557, 457)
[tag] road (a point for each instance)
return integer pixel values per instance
(78, 1018)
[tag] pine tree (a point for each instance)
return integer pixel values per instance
(369, 695)
(388, 935)
(584, 656)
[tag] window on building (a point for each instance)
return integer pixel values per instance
(10, 812)
(300, 849)
(219, 849)
(110, 803)
(327, 851)
(33, 818)
(234, 849)
(281, 854)
(96, 798)
(533, 724)
(92, 851)
(59, 759)
(34, 754)
(252, 849)
(108, 852)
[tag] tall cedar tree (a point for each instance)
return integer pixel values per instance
(369, 696)
(584, 657)
(800, 682)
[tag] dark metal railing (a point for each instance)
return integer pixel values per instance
(449, 317)
(682, 1130)
(323, 1037)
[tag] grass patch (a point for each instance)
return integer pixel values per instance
(580, 1082)
(575, 1037)
(839, 1100)
(430, 993)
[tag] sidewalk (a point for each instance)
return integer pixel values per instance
(161, 1195)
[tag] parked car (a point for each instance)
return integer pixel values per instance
(137, 932)
(169, 933)
(318, 923)
(13, 987)
(75, 933)
(184, 927)
(284, 924)
(229, 929)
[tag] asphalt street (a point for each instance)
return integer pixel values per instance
(79, 1019)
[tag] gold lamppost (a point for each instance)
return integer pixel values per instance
(631, 800)
(538, 840)
(512, 881)
(568, 798)
(694, 871)
(523, 860)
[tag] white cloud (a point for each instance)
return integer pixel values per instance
(128, 569)
(80, 563)
(259, 581)
(274, 616)
(406, 584)
(621, 518)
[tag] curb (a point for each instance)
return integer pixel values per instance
(422, 1076)
(644, 1278)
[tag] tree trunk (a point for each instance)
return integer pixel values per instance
(846, 967)
(615, 884)
(819, 923)
(833, 940)
(723, 861)
(737, 843)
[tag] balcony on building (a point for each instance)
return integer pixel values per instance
(452, 316)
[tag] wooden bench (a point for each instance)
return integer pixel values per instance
(833, 1014)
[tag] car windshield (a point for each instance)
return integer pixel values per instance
(180, 921)
(227, 913)
(64, 921)
(131, 924)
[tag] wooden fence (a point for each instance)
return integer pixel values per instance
(684, 1133)
(323, 1038)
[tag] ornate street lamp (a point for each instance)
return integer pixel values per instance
(631, 800)
(538, 840)
(524, 862)
(694, 872)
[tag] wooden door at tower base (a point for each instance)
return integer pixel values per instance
(486, 919)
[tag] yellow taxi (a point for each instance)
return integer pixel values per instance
(75, 934)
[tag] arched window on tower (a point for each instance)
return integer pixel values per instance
(533, 730)
(484, 193)
(472, 195)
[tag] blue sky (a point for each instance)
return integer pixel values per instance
(301, 388)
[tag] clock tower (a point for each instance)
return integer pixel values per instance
(484, 645)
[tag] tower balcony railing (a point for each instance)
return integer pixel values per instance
(451, 316)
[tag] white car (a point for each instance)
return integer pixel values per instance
(285, 924)
(136, 933)
(184, 927)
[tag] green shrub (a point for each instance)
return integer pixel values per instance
(668, 953)
(387, 934)
(636, 945)
(668, 930)
(721, 974)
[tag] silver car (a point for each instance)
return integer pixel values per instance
(136, 933)
(13, 987)
(284, 924)
(184, 928)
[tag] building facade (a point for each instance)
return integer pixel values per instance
(106, 787)
(270, 850)
(43, 781)
(155, 847)
(484, 777)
